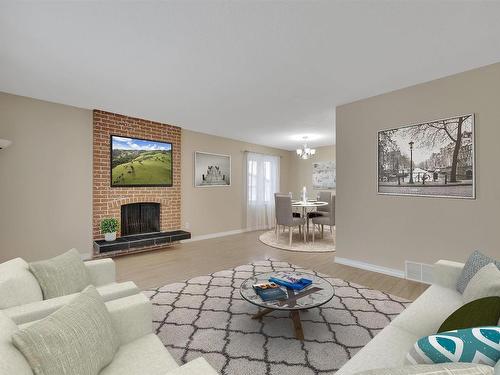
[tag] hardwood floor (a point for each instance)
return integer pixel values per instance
(184, 261)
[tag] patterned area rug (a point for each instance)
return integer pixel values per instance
(320, 245)
(206, 316)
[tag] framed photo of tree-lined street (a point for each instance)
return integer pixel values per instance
(430, 159)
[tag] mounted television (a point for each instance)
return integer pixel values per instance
(139, 162)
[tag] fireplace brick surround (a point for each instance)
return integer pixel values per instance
(107, 200)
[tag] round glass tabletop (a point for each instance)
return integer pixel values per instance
(316, 294)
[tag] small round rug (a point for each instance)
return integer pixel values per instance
(320, 245)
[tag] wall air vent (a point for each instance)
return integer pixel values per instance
(418, 272)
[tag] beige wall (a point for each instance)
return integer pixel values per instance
(220, 209)
(45, 178)
(301, 170)
(386, 230)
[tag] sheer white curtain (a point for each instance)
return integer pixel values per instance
(263, 180)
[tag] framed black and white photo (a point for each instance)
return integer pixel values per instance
(211, 169)
(431, 159)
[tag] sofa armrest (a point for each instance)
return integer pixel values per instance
(132, 317)
(446, 273)
(198, 366)
(101, 271)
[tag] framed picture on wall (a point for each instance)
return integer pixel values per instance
(430, 159)
(323, 175)
(211, 169)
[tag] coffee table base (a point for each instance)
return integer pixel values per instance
(294, 315)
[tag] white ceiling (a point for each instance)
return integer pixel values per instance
(265, 72)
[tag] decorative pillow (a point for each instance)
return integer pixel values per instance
(18, 286)
(479, 313)
(79, 336)
(475, 262)
(440, 369)
(485, 283)
(62, 275)
(472, 345)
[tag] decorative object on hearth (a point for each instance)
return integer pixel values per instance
(323, 176)
(305, 152)
(435, 159)
(109, 227)
(211, 169)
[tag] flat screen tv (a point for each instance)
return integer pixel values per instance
(140, 162)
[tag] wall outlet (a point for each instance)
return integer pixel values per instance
(187, 225)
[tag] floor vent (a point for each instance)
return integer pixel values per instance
(418, 272)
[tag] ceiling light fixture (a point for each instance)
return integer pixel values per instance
(305, 152)
(4, 143)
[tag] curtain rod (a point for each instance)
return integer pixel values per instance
(262, 153)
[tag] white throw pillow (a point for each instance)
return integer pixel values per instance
(79, 338)
(62, 275)
(18, 286)
(485, 283)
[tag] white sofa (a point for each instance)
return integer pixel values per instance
(422, 318)
(141, 351)
(21, 298)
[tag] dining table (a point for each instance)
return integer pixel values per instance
(308, 206)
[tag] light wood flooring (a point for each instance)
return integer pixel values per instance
(187, 260)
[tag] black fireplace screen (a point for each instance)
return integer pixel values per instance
(140, 218)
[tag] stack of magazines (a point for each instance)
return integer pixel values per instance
(269, 291)
(290, 281)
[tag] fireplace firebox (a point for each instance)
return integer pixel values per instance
(138, 218)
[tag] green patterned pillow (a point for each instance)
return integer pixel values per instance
(62, 275)
(79, 338)
(472, 345)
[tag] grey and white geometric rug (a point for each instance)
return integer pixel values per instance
(206, 316)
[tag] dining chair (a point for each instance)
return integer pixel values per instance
(323, 196)
(284, 216)
(328, 219)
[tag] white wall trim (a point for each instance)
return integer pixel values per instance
(218, 234)
(370, 267)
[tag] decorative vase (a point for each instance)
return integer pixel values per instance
(110, 236)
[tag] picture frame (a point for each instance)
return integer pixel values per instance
(428, 159)
(211, 170)
(135, 170)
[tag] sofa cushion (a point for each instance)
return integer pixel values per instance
(11, 360)
(440, 369)
(195, 367)
(485, 283)
(17, 284)
(146, 355)
(61, 275)
(38, 310)
(479, 313)
(387, 349)
(471, 345)
(79, 336)
(476, 261)
(424, 316)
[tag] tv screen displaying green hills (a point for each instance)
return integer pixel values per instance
(140, 162)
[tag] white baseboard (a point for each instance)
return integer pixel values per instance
(370, 267)
(218, 234)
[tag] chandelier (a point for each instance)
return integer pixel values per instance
(305, 152)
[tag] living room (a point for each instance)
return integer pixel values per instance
(192, 151)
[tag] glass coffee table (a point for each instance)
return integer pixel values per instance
(316, 294)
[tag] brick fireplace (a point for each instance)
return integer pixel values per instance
(107, 200)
